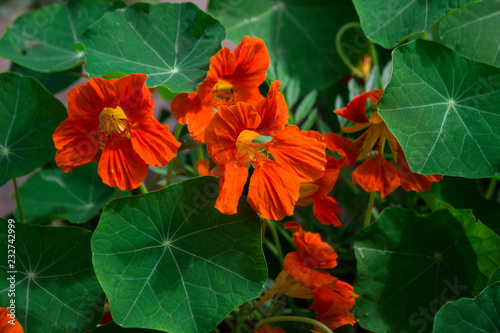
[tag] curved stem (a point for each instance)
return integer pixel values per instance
(491, 189)
(143, 189)
(276, 240)
(369, 207)
(18, 201)
(338, 46)
(276, 319)
(199, 149)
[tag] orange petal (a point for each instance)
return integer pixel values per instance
(345, 147)
(203, 168)
(326, 182)
(305, 155)
(273, 190)
(326, 211)
(225, 127)
(153, 142)
(75, 143)
(189, 109)
(252, 60)
(134, 97)
(87, 101)
(376, 174)
(414, 181)
(5, 322)
(355, 109)
(233, 179)
(121, 166)
(332, 312)
(273, 111)
(308, 277)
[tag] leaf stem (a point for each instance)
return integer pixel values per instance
(143, 189)
(276, 239)
(491, 189)
(369, 207)
(18, 201)
(341, 54)
(275, 319)
(118, 194)
(199, 149)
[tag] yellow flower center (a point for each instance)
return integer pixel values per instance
(251, 151)
(223, 93)
(113, 120)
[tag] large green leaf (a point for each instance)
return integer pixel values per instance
(390, 22)
(169, 260)
(410, 265)
(29, 114)
(472, 315)
(76, 196)
(171, 43)
(56, 288)
(443, 109)
(298, 33)
(43, 39)
(474, 32)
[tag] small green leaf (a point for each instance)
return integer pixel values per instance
(76, 196)
(472, 315)
(169, 260)
(29, 114)
(171, 43)
(443, 109)
(410, 265)
(389, 23)
(43, 39)
(292, 92)
(310, 121)
(474, 32)
(305, 106)
(56, 288)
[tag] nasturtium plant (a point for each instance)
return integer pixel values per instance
(171, 43)
(249, 166)
(187, 257)
(54, 278)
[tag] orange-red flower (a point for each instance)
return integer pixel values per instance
(232, 140)
(112, 120)
(232, 77)
(333, 305)
(377, 173)
(8, 323)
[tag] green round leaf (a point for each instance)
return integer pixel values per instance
(388, 23)
(171, 43)
(472, 315)
(56, 288)
(410, 265)
(474, 32)
(29, 114)
(443, 109)
(169, 260)
(76, 196)
(298, 33)
(43, 39)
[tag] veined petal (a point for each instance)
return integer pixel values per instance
(331, 308)
(86, 102)
(273, 111)
(304, 155)
(273, 190)
(326, 211)
(252, 60)
(153, 142)
(134, 97)
(308, 277)
(188, 109)
(343, 146)
(75, 143)
(355, 109)
(330, 175)
(414, 181)
(233, 179)
(121, 166)
(225, 127)
(376, 174)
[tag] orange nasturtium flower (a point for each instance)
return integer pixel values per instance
(274, 186)
(112, 120)
(8, 324)
(377, 173)
(232, 77)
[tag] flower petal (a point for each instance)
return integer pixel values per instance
(7, 327)
(331, 308)
(355, 109)
(345, 147)
(326, 211)
(188, 109)
(376, 174)
(87, 101)
(75, 143)
(273, 190)
(414, 181)
(153, 142)
(304, 155)
(308, 277)
(203, 168)
(233, 179)
(121, 166)
(134, 97)
(252, 60)
(273, 111)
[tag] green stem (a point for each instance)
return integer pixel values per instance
(143, 189)
(153, 182)
(118, 194)
(18, 201)
(491, 189)
(177, 133)
(341, 54)
(275, 319)
(368, 213)
(276, 240)
(199, 149)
